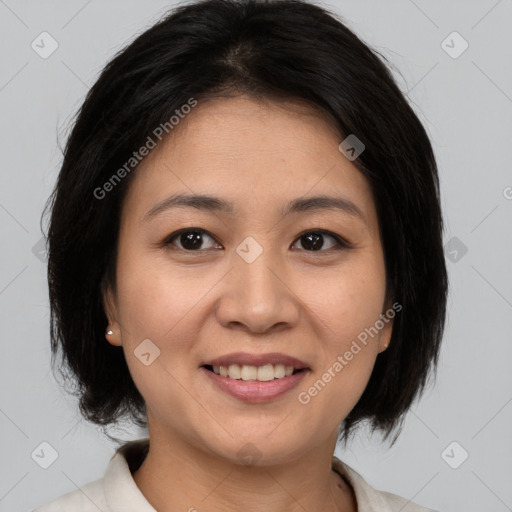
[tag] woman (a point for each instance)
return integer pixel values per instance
(248, 212)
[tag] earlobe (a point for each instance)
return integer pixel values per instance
(113, 336)
(383, 347)
(113, 332)
(387, 330)
(385, 335)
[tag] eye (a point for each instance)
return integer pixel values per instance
(314, 239)
(190, 239)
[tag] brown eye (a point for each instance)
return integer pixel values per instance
(190, 239)
(193, 240)
(313, 241)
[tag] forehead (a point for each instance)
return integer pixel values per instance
(255, 155)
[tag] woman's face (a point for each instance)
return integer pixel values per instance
(261, 279)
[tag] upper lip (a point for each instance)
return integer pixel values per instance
(244, 358)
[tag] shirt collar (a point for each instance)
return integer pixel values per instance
(122, 492)
(368, 498)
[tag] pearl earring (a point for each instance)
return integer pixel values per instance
(109, 332)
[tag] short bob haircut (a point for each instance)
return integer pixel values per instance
(269, 50)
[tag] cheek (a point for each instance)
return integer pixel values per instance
(153, 309)
(154, 297)
(349, 303)
(350, 308)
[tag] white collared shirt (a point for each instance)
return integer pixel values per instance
(118, 492)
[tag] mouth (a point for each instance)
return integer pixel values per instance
(247, 366)
(251, 384)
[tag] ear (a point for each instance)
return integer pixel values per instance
(387, 319)
(110, 307)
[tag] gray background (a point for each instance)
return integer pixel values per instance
(466, 106)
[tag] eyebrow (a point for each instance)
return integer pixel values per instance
(216, 204)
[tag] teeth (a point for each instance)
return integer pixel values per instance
(280, 371)
(235, 372)
(248, 372)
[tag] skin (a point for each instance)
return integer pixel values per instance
(204, 303)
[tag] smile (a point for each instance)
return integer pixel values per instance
(254, 384)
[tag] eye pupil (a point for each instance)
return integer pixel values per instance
(191, 240)
(314, 241)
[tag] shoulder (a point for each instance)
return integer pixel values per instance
(116, 491)
(397, 503)
(89, 498)
(373, 500)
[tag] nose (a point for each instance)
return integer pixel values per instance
(256, 297)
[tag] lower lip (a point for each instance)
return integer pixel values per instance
(254, 390)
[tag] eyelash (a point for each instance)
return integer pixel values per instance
(342, 243)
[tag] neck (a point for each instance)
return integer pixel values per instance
(176, 476)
